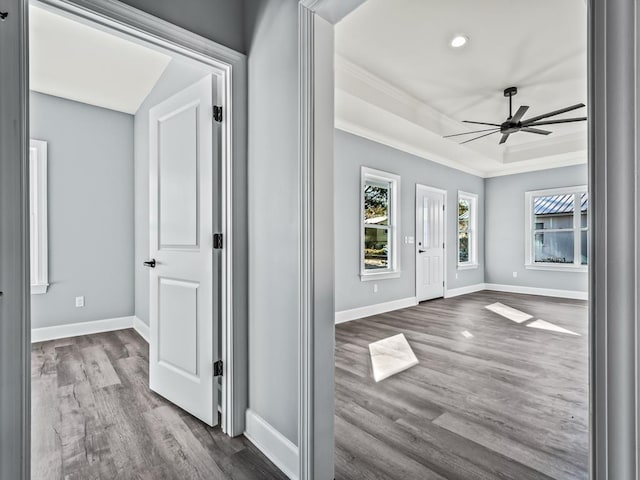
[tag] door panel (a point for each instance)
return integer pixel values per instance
(178, 325)
(184, 204)
(429, 243)
(178, 176)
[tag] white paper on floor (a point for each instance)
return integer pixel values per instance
(543, 325)
(467, 334)
(508, 312)
(390, 356)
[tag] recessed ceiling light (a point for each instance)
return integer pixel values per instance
(459, 41)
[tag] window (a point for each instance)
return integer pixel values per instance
(379, 224)
(557, 229)
(38, 221)
(467, 230)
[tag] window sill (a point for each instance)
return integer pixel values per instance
(39, 289)
(468, 266)
(366, 277)
(556, 268)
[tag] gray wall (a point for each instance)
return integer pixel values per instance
(505, 228)
(178, 75)
(90, 207)
(217, 20)
(272, 29)
(352, 152)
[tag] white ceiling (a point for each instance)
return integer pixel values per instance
(403, 45)
(72, 60)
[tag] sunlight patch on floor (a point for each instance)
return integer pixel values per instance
(544, 325)
(390, 356)
(508, 312)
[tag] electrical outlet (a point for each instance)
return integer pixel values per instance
(79, 301)
(456, 276)
(515, 274)
(375, 288)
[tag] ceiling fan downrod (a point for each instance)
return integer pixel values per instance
(510, 92)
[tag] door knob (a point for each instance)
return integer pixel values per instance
(421, 251)
(151, 263)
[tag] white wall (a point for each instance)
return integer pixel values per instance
(505, 234)
(352, 152)
(274, 273)
(90, 211)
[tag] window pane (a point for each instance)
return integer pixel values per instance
(376, 248)
(584, 248)
(553, 247)
(463, 215)
(554, 211)
(463, 247)
(376, 202)
(584, 210)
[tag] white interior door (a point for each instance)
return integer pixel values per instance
(430, 246)
(184, 201)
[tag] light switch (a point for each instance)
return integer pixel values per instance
(79, 301)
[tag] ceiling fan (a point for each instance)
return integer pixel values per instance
(515, 123)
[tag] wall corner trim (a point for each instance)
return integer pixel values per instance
(141, 328)
(44, 334)
(367, 311)
(276, 447)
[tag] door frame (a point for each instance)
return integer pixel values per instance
(614, 373)
(444, 236)
(230, 68)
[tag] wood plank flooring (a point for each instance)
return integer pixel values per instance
(511, 402)
(94, 417)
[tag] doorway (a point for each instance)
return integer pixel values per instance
(140, 169)
(430, 242)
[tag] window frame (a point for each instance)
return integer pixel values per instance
(472, 263)
(39, 249)
(393, 227)
(530, 230)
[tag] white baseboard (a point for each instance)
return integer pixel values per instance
(81, 328)
(361, 312)
(546, 292)
(454, 292)
(277, 448)
(142, 328)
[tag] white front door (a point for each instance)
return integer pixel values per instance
(430, 235)
(184, 201)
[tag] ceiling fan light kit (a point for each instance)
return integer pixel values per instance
(515, 122)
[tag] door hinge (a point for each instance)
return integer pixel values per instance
(443, 208)
(218, 368)
(443, 245)
(443, 283)
(217, 240)
(217, 113)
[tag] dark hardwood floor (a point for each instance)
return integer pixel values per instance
(94, 417)
(511, 402)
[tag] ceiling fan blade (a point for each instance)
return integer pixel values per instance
(476, 138)
(519, 114)
(468, 133)
(560, 120)
(504, 138)
(531, 120)
(482, 123)
(535, 130)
